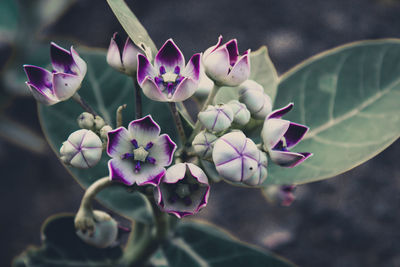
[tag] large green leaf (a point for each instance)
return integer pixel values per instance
(132, 26)
(200, 245)
(62, 247)
(350, 99)
(104, 89)
(262, 71)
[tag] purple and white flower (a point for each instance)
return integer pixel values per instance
(280, 135)
(235, 156)
(139, 153)
(183, 190)
(82, 149)
(169, 80)
(224, 65)
(122, 56)
(62, 82)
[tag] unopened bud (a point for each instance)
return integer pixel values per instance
(203, 144)
(216, 118)
(241, 115)
(86, 120)
(104, 130)
(98, 123)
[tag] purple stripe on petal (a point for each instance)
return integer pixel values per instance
(169, 56)
(152, 91)
(286, 158)
(233, 51)
(163, 150)
(45, 97)
(144, 69)
(154, 179)
(113, 55)
(184, 90)
(118, 142)
(192, 69)
(276, 114)
(116, 174)
(144, 130)
(294, 134)
(40, 78)
(212, 48)
(61, 59)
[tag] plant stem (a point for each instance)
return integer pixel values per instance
(138, 99)
(178, 122)
(119, 115)
(209, 100)
(84, 217)
(146, 239)
(84, 104)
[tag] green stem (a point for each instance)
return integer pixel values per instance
(84, 104)
(178, 122)
(209, 101)
(146, 239)
(138, 99)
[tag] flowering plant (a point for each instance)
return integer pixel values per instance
(161, 164)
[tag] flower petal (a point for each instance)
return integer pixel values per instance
(119, 142)
(113, 55)
(79, 62)
(150, 174)
(61, 59)
(212, 48)
(287, 158)
(169, 56)
(144, 69)
(65, 85)
(192, 69)
(185, 90)
(197, 173)
(40, 78)
(240, 71)
(278, 113)
(217, 64)
(144, 130)
(44, 97)
(129, 57)
(233, 51)
(152, 91)
(175, 173)
(122, 171)
(294, 134)
(163, 150)
(273, 131)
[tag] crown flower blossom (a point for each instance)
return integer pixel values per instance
(62, 82)
(139, 153)
(280, 135)
(183, 190)
(169, 80)
(122, 56)
(224, 65)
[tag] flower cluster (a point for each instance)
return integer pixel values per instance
(141, 155)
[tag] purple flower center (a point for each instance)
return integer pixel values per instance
(140, 155)
(168, 81)
(182, 191)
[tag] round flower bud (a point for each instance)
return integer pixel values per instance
(105, 231)
(260, 174)
(253, 96)
(241, 115)
(235, 156)
(104, 130)
(216, 118)
(203, 144)
(86, 120)
(262, 113)
(82, 149)
(98, 123)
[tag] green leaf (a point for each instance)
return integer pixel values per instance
(133, 27)
(62, 247)
(104, 89)
(349, 97)
(262, 71)
(199, 245)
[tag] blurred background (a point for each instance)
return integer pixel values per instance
(350, 220)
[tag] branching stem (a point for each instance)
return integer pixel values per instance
(84, 104)
(178, 122)
(138, 99)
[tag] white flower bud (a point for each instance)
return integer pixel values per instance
(240, 112)
(105, 231)
(261, 173)
(86, 120)
(203, 144)
(216, 118)
(98, 123)
(257, 102)
(82, 149)
(104, 130)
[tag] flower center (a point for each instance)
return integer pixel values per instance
(168, 81)
(140, 155)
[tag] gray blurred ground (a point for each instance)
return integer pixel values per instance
(348, 221)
